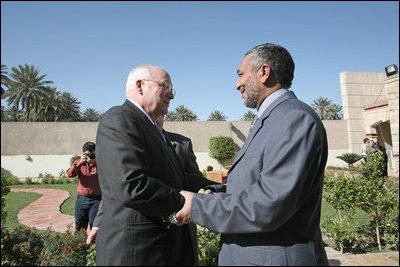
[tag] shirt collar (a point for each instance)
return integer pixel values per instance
(271, 98)
(141, 109)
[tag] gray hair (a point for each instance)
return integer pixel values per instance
(278, 58)
(140, 72)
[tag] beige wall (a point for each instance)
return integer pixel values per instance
(51, 145)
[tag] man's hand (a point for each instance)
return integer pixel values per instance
(84, 158)
(92, 236)
(183, 215)
(205, 191)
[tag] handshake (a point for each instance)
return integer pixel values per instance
(183, 216)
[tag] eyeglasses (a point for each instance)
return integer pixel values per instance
(166, 86)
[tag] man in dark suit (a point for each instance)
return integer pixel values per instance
(140, 178)
(184, 151)
(270, 213)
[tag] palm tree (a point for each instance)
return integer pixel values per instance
(350, 158)
(181, 113)
(217, 116)
(335, 112)
(90, 115)
(70, 110)
(27, 87)
(12, 114)
(49, 108)
(321, 106)
(4, 79)
(249, 116)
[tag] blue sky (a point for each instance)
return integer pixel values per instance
(89, 48)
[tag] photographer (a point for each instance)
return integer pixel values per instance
(89, 193)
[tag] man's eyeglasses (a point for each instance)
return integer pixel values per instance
(166, 86)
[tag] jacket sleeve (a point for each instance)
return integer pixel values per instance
(73, 170)
(124, 167)
(290, 159)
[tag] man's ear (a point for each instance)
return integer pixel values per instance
(139, 84)
(264, 72)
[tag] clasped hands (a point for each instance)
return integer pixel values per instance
(183, 216)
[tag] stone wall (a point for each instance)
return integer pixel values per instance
(50, 145)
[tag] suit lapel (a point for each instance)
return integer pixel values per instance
(259, 124)
(150, 128)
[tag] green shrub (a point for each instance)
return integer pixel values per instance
(73, 158)
(47, 178)
(373, 194)
(376, 195)
(390, 236)
(222, 148)
(5, 189)
(208, 247)
(11, 180)
(342, 234)
(339, 192)
(91, 256)
(373, 167)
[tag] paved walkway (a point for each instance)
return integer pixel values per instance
(45, 212)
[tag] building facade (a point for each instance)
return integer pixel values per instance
(371, 109)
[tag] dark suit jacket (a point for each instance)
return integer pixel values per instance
(270, 213)
(184, 151)
(140, 178)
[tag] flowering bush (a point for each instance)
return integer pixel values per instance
(21, 246)
(66, 249)
(26, 246)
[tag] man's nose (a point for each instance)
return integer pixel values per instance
(238, 85)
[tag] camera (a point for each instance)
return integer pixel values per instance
(91, 155)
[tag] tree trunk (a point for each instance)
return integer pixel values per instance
(378, 236)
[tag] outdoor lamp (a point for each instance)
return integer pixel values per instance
(391, 70)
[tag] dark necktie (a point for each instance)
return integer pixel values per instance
(160, 131)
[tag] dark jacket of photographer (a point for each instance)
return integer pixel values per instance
(88, 180)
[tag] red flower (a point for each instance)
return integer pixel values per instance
(79, 247)
(42, 252)
(69, 247)
(65, 252)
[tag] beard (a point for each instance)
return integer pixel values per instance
(252, 93)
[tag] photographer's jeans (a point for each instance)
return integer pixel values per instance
(85, 211)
